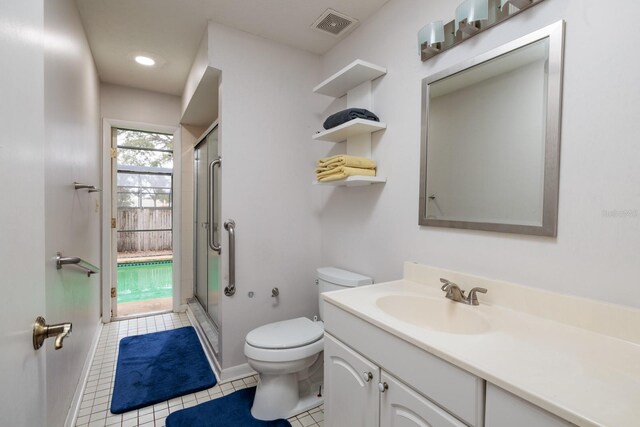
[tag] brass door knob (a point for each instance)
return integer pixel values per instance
(42, 331)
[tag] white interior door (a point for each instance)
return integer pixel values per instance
(22, 252)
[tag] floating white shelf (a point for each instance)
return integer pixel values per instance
(352, 75)
(350, 128)
(354, 181)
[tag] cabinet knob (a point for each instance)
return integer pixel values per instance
(383, 387)
(367, 376)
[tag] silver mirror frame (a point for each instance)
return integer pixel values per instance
(555, 34)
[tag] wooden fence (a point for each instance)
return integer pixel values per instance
(153, 219)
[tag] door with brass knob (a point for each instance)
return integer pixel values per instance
(42, 331)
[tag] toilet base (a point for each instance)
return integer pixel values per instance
(277, 396)
(308, 401)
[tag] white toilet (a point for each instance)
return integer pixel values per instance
(288, 355)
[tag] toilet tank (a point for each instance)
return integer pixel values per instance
(333, 279)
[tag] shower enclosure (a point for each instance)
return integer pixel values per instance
(207, 233)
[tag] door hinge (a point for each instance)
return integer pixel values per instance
(113, 223)
(114, 292)
(114, 153)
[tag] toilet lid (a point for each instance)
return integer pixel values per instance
(286, 334)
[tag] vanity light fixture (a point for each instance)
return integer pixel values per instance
(431, 37)
(471, 18)
(520, 4)
(469, 15)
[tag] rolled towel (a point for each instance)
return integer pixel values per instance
(349, 114)
(343, 172)
(332, 162)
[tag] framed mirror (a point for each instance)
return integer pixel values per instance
(490, 142)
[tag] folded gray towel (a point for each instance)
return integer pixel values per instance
(349, 114)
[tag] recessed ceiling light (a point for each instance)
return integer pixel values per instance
(145, 60)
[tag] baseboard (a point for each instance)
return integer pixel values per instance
(236, 372)
(72, 415)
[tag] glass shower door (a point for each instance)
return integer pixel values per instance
(207, 226)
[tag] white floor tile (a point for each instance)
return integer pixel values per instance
(113, 419)
(145, 418)
(129, 415)
(160, 414)
(306, 421)
(82, 421)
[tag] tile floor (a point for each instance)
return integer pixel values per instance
(94, 408)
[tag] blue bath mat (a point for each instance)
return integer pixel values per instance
(159, 366)
(231, 410)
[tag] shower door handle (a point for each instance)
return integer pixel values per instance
(212, 212)
(230, 226)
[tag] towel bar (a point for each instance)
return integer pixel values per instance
(91, 188)
(90, 268)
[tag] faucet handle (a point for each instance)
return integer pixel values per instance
(446, 284)
(472, 298)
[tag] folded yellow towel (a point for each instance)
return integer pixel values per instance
(327, 163)
(343, 172)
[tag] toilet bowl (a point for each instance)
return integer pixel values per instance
(279, 352)
(288, 356)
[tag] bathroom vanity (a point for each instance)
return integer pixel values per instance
(400, 353)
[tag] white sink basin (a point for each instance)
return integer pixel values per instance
(439, 315)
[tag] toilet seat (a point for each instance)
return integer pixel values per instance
(284, 341)
(283, 355)
(290, 333)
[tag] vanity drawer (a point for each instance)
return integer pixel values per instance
(504, 407)
(457, 391)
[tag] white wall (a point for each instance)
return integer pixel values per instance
(374, 229)
(266, 123)
(137, 105)
(72, 218)
(198, 69)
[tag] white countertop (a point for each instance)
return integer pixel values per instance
(585, 377)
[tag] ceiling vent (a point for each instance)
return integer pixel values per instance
(334, 23)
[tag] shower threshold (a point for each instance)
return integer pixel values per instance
(206, 329)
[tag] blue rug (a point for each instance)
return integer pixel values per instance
(156, 367)
(232, 410)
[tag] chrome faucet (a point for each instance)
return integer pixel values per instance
(454, 293)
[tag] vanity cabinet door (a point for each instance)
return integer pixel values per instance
(351, 394)
(400, 406)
